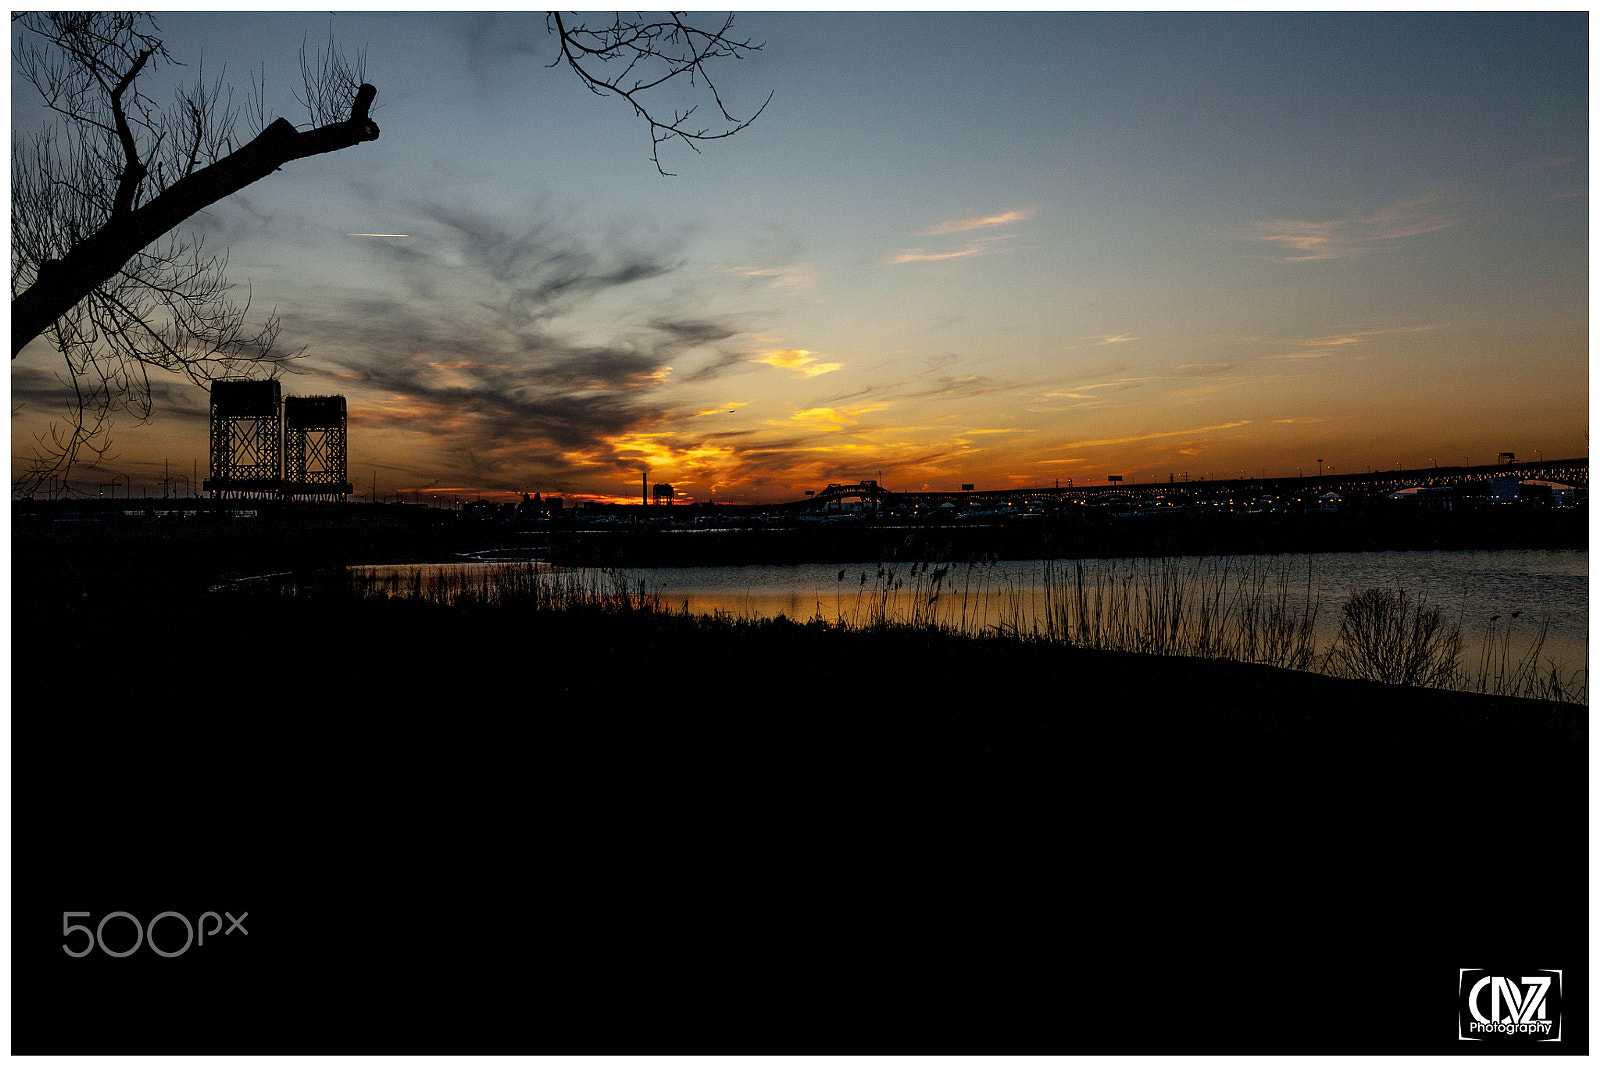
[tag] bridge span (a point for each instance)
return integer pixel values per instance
(1356, 486)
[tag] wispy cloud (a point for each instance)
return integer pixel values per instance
(1156, 436)
(788, 279)
(962, 225)
(1305, 240)
(917, 255)
(1540, 163)
(1083, 392)
(1347, 343)
(989, 245)
(1351, 346)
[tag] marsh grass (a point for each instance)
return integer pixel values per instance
(1387, 635)
(1250, 610)
(531, 586)
(1201, 608)
(1509, 664)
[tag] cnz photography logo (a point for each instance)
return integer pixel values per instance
(1516, 1006)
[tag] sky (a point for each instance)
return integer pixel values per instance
(1006, 250)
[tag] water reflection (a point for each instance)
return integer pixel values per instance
(1508, 598)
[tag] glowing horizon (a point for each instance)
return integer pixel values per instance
(1106, 244)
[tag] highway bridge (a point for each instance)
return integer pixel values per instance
(1352, 486)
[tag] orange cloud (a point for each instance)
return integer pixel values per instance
(917, 255)
(831, 418)
(799, 360)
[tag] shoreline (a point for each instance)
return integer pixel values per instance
(176, 548)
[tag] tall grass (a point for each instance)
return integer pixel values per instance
(1202, 608)
(1510, 666)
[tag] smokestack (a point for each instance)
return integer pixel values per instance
(644, 485)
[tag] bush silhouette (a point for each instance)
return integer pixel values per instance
(1388, 636)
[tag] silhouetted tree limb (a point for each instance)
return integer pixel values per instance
(632, 58)
(61, 283)
(155, 191)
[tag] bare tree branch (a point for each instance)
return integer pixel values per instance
(631, 58)
(142, 210)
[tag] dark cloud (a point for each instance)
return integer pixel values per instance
(695, 333)
(46, 390)
(703, 340)
(36, 387)
(501, 41)
(501, 407)
(516, 348)
(509, 346)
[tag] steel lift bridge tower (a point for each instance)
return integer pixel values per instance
(263, 444)
(314, 447)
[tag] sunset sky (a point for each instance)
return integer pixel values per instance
(955, 248)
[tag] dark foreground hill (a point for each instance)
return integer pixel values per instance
(462, 831)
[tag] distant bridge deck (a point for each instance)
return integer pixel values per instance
(1366, 484)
